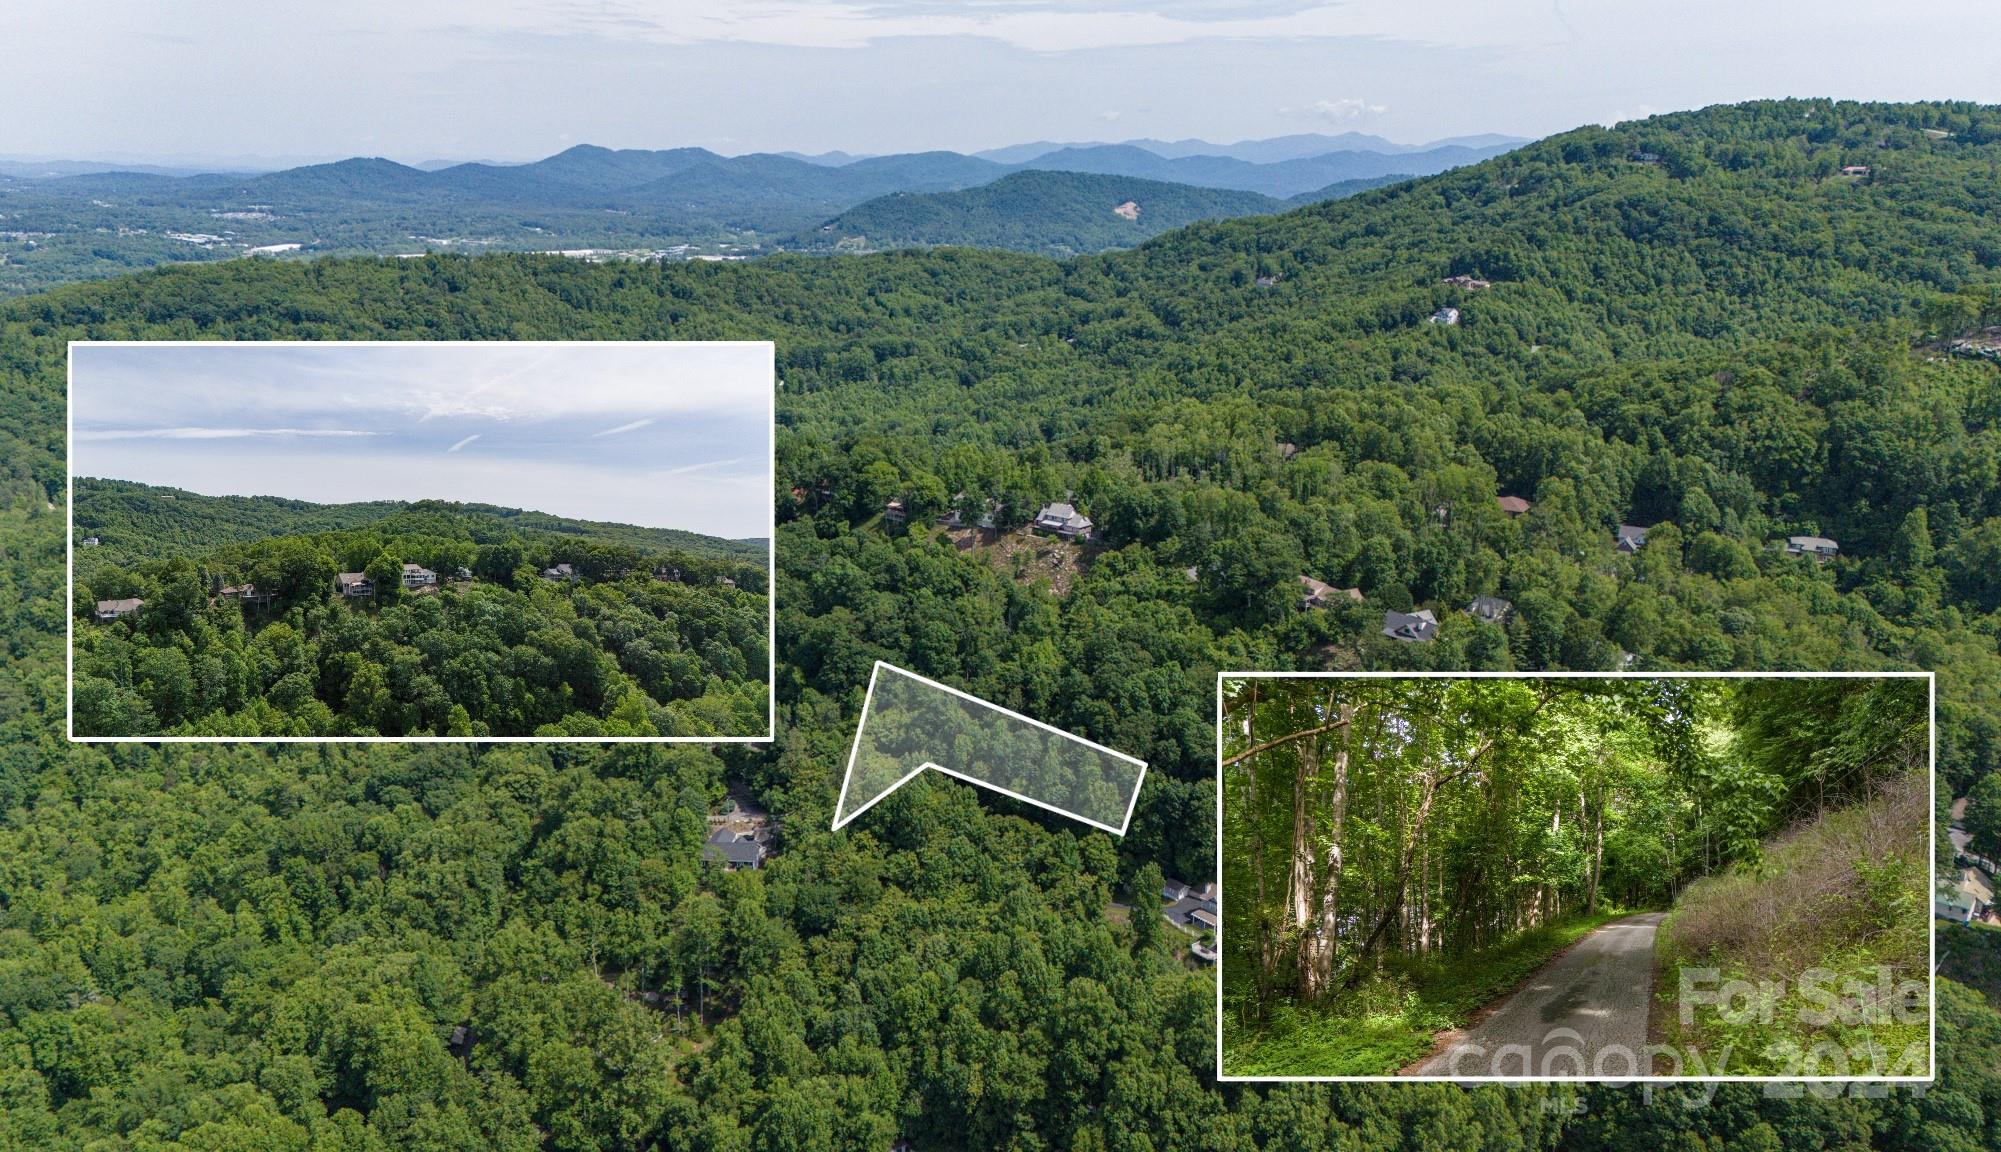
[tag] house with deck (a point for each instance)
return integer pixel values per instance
(1818, 547)
(559, 572)
(895, 512)
(353, 585)
(244, 594)
(1063, 521)
(418, 576)
(109, 610)
(1630, 538)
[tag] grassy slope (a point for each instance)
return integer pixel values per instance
(1844, 893)
(1388, 1024)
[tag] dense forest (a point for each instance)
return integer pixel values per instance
(450, 621)
(1729, 343)
(1397, 842)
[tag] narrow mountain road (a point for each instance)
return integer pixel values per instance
(1583, 1014)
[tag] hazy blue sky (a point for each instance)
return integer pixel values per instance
(660, 435)
(511, 79)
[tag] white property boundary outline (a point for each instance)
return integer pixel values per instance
(1931, 856)
(69, 578)
(868, 699)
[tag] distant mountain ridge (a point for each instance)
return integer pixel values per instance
(589, 201)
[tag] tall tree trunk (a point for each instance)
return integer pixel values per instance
(1299, 881)
(1320, 945)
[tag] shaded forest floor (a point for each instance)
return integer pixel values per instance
(1830, 921)
(1398, 1017)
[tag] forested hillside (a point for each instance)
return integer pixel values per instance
(427, 619)
(133, 522)
(1400, 852)
(1729, 345)
(1054, 213)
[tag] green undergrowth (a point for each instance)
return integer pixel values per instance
(1812, 961)
(1392, 1020)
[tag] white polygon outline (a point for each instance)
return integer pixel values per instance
(854, 752)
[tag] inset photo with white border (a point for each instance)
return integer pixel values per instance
(1577, 876)
(373, 541)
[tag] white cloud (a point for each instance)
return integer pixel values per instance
(1346, 110)
(199, 433)
(634, 426)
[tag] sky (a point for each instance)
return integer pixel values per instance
(661, 435)
(419, 80)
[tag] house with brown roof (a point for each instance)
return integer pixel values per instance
(895, 512)
(244, 594)
(1316, 594)
(109, 610)
(1513, 505)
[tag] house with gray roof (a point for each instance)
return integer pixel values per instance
(1818, 547)
(352, 585)
(1411, 627)
(1063, 520)
(734, 849)
(1630, 538)
(1492, 609)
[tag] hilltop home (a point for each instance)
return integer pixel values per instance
(1064, 521)
(894, 512)
(1631, 538)
(1411, 627)
(1445, 316)
(1818, 547)
(89, 542)
(1855, 170)
(244, 594)
(1492, 609)
(733, 849)
(559, 572)
(1315, 594)
(353, 585)
(418, 576)
(1470, 283)
(1513, 505)
(109, 610)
